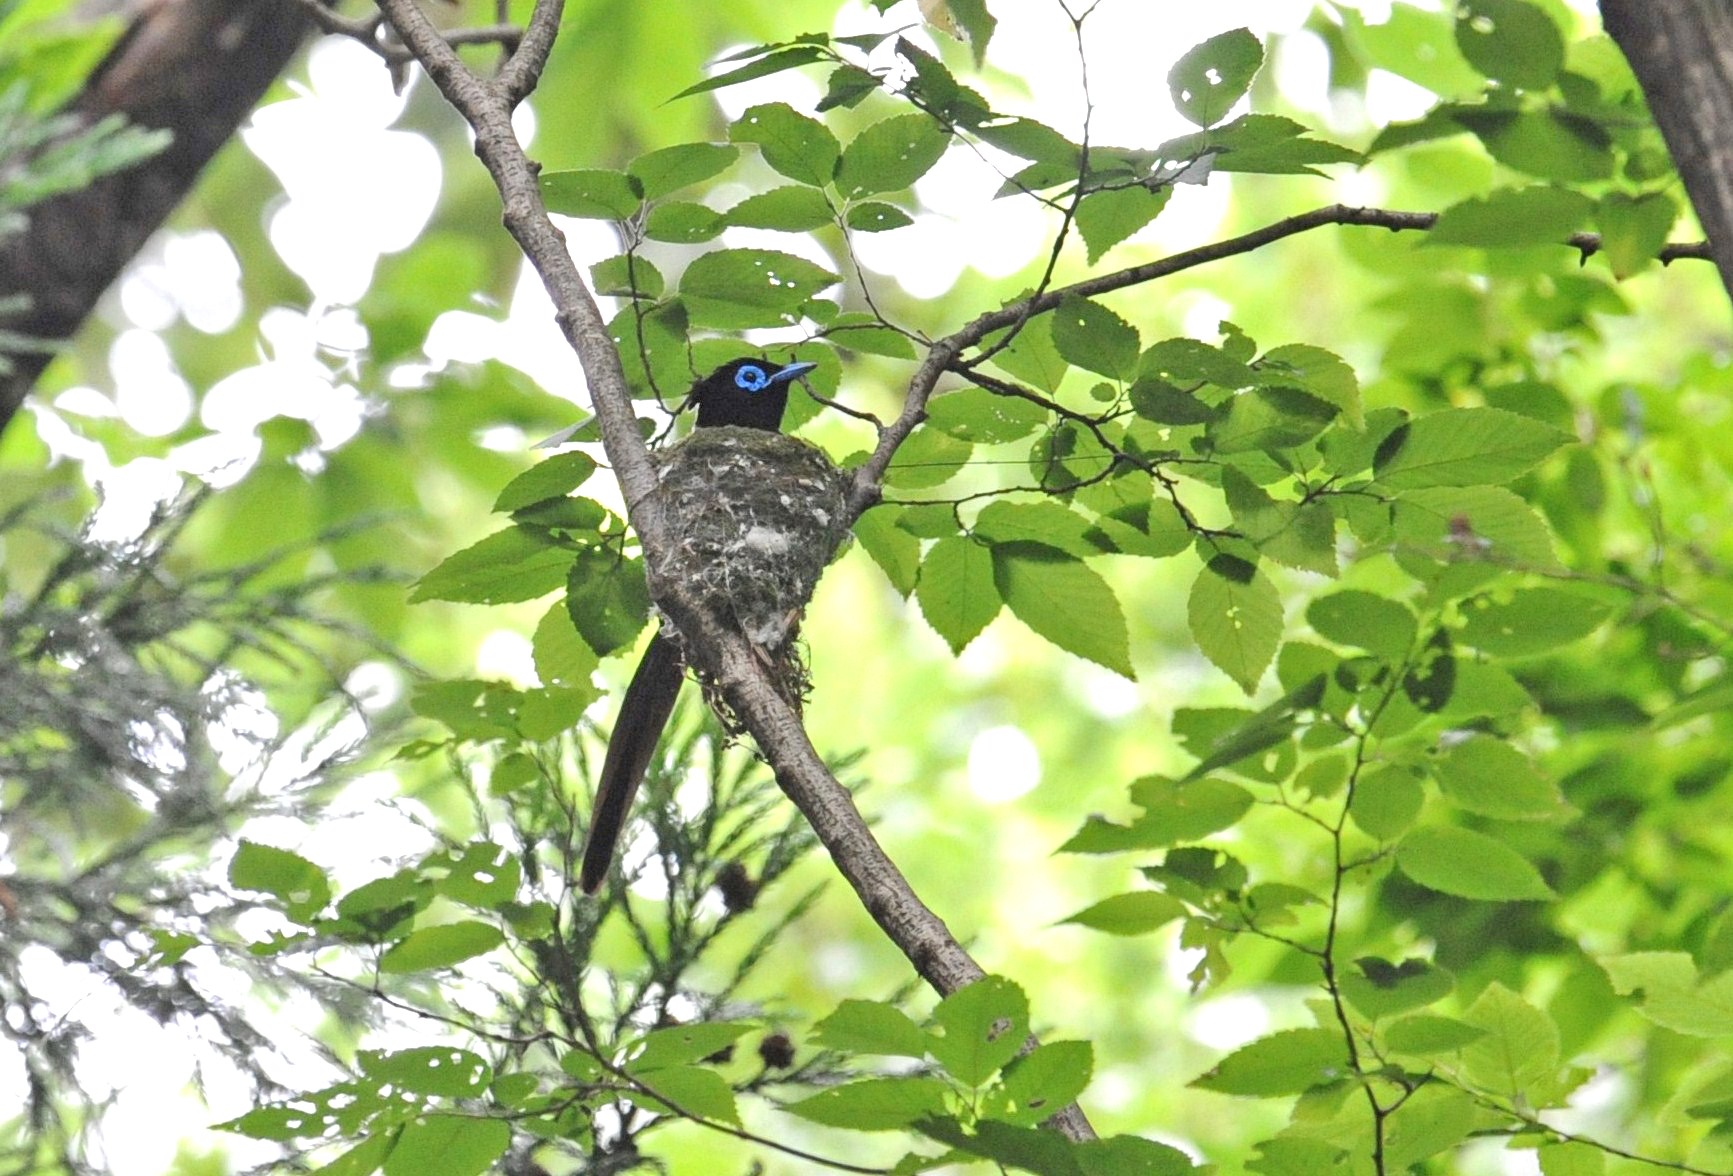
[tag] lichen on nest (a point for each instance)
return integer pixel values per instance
(757, 517)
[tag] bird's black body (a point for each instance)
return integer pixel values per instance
(747, 394)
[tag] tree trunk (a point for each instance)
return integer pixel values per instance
(193, 67)
(1682, 54)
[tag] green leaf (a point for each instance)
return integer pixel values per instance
(791, 208)
(693, 1090)
(448, 1145)
(607, 600)
(483, 875)
(1266, 419)
(1263, 144)
(847, 86)
(429, 1069)
(555, 477)
(874, 1104)
(871, 1027)
(1289, 1062)
(1513, 217)
(1130, 1155)
(1530, 621)
(1572, 1158)
(1488, 776)
(897, 553)
(1634, 229)
(593, 193)
(1386, 801)
(1430, 1121)
(741, 288)
(1094, 338)
(682, 223)
(1048, 1078)
(1380, 989)
(1518, 1058)
(1211, 77)
(772, 63)
(1469, 865)
(928, 458)
(1046, 522)
(855, 331)
(288, 877)
(1190, 810)
(875, 216)
(1464, 447)
(1314, 370)
(668, 170)
(956, 590)
(507, 566)
(977, 24)
(981, 417)
(561, 655)
(625, 276)
(1029, 139)
(1471, 523)
(890, 155)
(1673, 994)
(1425, 1034)
(1364, 620)
(1510, 41)
(1137, 912)
(441, 946)
(1064, 601)
(1236, 618)
(1547, 144)
(1107, 217)
(681, 1045)
(979, 1028)
(361, 1160)
(798, 147)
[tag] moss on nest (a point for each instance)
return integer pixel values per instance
(758, 516)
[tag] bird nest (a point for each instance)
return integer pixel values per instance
(758, 516)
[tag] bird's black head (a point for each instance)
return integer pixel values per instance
(750, 393)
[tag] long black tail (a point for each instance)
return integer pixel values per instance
(644, 712)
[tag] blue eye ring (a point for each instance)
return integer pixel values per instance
(751, 378)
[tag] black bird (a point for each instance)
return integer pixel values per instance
(746, 393)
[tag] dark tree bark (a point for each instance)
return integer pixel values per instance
(1682, 54)
(193, 67)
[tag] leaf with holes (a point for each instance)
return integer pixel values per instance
(1236, 618)
(1211, 77)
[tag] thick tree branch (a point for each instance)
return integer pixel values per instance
(722, 654)
(947, 352)
(1682, 53)
(193, 67)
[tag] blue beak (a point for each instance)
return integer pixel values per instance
(792, 371)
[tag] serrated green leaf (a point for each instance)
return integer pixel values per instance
(1469, 865)
(1425, 1033)
(894, 550)
(1065, 601)
(625, 276)
(681, 1045)
(448, 1145)
(771, 63)
(692, 1090)
(297, 883)
(1315, 371)
(1290, 1062)
(1189, 810)
(440, 946)
(682, 222)
(429, 1069)
(1209, 78)
(978, 1028)
(554, 477)
(799, 147)
(1091, 336)
(875, 216)
(874, 1104)
(1107, 217)
(1513, 218)
(507, 566)
(593, 193)
(1510, 41)
(607, 600)
(1464, 447)
(1380, 989)
(1673, 994)
(871, 1027)
(1518, 1059)
(1235, 615)
(1488, 776)
(956, 591)
(1386, 801)
(1364, 620)
(1530, 621)
(1048, 1078)
(562, 658)
(1553, 145)
(1135, 913)
(741, 288)
(1634, 229)
(981, 417)
(671, 168)
(792, 208)
(890, 155)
